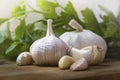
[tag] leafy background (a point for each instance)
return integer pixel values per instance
(13, 43)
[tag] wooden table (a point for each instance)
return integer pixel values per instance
(108, 70)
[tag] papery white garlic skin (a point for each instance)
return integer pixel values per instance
(97, 52)
(82, 38)
(92, 54)
(82, 53)
(48, 50)
(24, 59)
(80, 64)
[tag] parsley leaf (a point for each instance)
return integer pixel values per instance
(90, 22)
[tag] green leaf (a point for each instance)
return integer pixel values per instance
(65, 18)
(66, 15)
(1, 39)
(110, 15)
(19, 10)
(48, 8)
(5, 39)
(39, 30)
(5, 32)
(22, 4)
(15, 49)
(3, 46)
(2, 20)
(69, 13)
(40, 26)
(12, 47)
(69, 10)
(111, 30)
(36, 30)
(90, 22)
(20, 31)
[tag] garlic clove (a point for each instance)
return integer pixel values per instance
(80, 64)
(97, 55)
(65, 62)
(82, 53)
(24, 59)
(92, 54)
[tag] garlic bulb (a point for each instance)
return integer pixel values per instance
(48, 50)
(82, 38)
(24, 59)
(92, 54)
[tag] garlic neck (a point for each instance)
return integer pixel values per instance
(49, 28)
(75, 25)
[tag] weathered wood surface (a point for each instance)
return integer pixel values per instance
(108, 70)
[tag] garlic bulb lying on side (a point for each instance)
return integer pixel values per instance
(82, 38)
(92, 54)
(48, 50)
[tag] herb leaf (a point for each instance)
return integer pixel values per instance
(48, 8)
(11, 47)
(19, 10)
(15, 49)
(19, 31)
(90, 22)
(5, 32)
(111, 28)
(69, 10)
(2, 20)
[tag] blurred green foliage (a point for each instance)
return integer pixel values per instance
(25, 34)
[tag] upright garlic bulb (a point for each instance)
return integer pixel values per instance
(82, 38)
(48, 50)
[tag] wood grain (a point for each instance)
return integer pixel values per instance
(109, 70)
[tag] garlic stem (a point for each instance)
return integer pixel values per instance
(74, 24)
(49, 29)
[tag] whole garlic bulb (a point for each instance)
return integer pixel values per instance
(82, 38)
(48, 50)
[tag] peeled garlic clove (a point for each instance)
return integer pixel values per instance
(24, 59)
(48, 50)
(65, 62)
(81, 64)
